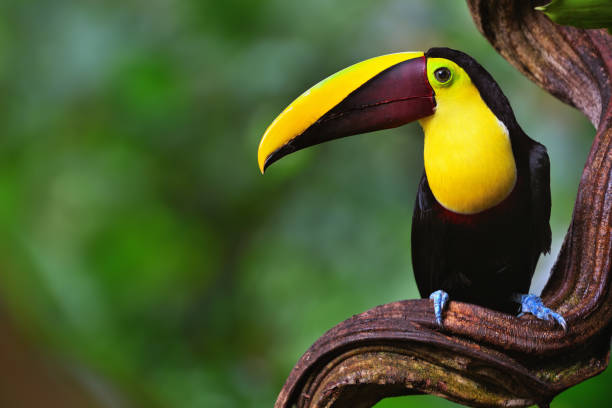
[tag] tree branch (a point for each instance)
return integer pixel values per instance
(482, 357)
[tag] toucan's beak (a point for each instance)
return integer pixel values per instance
(379, 93)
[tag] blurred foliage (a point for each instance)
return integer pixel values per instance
(140, 242)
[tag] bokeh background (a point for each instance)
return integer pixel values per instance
(144, 260)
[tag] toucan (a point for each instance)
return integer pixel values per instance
(481, 216)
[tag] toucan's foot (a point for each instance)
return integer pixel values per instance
(440, 298)
(533, 304)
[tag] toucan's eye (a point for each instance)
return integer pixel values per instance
(443, 75)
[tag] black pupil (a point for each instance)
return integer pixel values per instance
(442, 74)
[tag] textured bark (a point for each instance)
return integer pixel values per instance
(482, 357)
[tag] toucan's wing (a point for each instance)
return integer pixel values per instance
(429, 240)
(539, 168)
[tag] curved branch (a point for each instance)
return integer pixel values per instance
(482, 357)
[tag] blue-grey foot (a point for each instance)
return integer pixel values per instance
(533, 304)
(440, 298)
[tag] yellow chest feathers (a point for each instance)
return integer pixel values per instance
(468, 156)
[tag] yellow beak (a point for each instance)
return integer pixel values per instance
(378, 93)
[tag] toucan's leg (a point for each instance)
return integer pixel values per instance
(440, 298)
(533, 304)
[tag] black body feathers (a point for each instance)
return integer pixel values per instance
(487, 257)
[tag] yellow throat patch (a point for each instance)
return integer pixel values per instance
(468, 157)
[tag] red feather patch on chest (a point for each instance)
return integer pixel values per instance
(506, 208)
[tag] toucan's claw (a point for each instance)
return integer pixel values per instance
(440, 299)
(533, 304)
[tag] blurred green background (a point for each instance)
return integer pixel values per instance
(145, 261)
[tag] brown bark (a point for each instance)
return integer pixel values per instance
(482, 357)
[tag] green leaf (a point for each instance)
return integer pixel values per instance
(580, 13)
